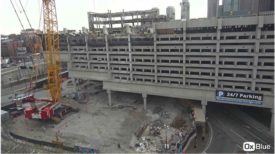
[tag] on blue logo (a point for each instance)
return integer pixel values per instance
(220, 93)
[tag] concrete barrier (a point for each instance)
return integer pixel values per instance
(44, 143)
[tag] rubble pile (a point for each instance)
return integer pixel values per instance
(155, 127)
(157, 136)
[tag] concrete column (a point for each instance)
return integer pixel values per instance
(89, 66)
(70, 54)
(68, 43)
(132, 21)
(183, 52)
(110, 19)
(130, 56)
(86, 43)
(155, 53)
(217, 58)
(87, 49)
(144, 96)
(256, 52)
(122, 19)
(107, 51)
(203, 104)
(109, 97)
(255, 61)
(272, 122)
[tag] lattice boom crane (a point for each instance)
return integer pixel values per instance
(53, 65)
(52, 49)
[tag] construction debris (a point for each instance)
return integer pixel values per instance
(157, 136)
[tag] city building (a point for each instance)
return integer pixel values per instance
(9, 46)
(212, 8)
(246, 7)
(185, 10)
(232, 8)
(170, 13)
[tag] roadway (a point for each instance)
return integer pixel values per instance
(7, 99)
(8, 93)
(229, 131)
(3, 70)
(11, 68)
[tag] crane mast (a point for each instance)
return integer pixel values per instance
(50, 108)
(52, 49)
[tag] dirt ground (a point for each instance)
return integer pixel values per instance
(101, 126)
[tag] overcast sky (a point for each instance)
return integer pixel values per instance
(72, 14)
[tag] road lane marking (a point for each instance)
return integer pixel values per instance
(257, 137)
(238, 135)
(258, 129)
(211, 138)
(252, 126)
(242, 138)
(261, 141)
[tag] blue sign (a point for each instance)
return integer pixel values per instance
(239, 97)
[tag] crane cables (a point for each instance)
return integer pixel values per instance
(25, 14)
(17, 14)
(18, 17)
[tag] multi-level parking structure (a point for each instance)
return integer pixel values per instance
(191, 59)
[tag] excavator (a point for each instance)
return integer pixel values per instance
(48, 108)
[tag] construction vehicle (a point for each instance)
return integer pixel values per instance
(45, 109)
(49, 106)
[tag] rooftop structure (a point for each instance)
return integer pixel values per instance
(115, 22)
